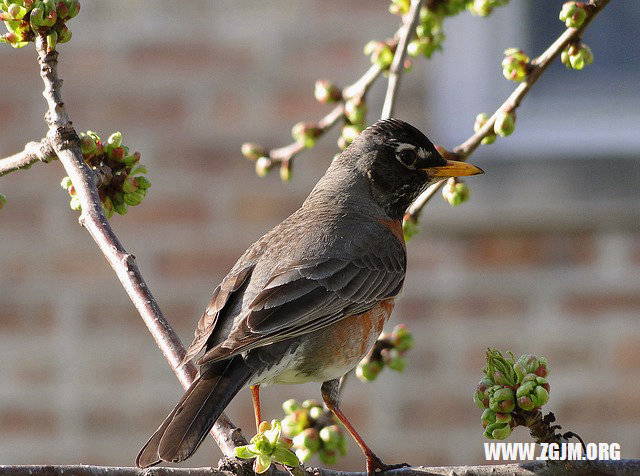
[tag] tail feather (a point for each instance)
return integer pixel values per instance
(187, 425)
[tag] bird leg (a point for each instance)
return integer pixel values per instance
(255, 396)
(331, 397)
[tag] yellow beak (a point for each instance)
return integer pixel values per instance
(453, 168)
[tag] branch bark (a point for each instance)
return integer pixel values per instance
(397, 66)
(543, 468)
(65, 142)
(33, 152)
(538, 66)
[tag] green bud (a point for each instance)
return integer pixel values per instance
(326, 92)
(305, 134)
(501, 399)
(107, 207)
(409, 228)
(66, 183)
(515, 64)
(488, 417)
(399, 7)
(52, 41)
(263, 166)
(3, 200)
(505, 123)
(481, 120)
(455, 192)
(311, 403)
(328, 456)
(36, 18)
(304, 454)
(355, 110)
(315, 412)
(134, 198)
(480, 397)
(143, 182)
(64, 34)
(252, 151)
(285, 171)
(115, 139)
(244, 452)
(74, 203)
(16, 11)
(573, 14)
(88, 146)
(261, 464)
(291, 406)
(285, 456)
(62, 10)
(130, 185)
(120, 207)
(350, 132)
(368, 371)
(74, 7)
(308, 439)
(401, 338)
(498, 431)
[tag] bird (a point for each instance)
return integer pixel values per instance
(308, 300)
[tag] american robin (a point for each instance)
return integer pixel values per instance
(308, 300)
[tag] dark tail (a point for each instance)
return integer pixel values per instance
(188, 424)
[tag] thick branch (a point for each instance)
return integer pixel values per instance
(397, 66)
(545, 468)
(33, 152)
(66, 144)
(538, 66)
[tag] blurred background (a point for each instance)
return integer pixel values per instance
(545, 257)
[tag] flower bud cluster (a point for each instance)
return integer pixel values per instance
(573, 14)
(381, 53)
(482, 8)
(314, 430)
(268, 446)
(26, 18)
(576, 56)
(355, 112)
(389, 351)
(515, 65)
(121, 178)
(508, 387)
(455, 191)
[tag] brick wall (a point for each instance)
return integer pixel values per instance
(545, 258)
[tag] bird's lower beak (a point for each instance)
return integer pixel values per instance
(453, 168)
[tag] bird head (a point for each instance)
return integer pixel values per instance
(400, 162)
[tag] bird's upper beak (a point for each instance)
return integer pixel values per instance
(453, 168)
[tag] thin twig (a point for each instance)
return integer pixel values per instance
(397, 66)
(538, 66)
(357, 89)
(66, 144)
(33, 152)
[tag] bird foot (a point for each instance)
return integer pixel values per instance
(376, 466)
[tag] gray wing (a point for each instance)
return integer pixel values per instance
(361, 269)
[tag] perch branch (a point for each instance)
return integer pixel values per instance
(33, 152)
(557, 468)
(66, 144)
(397, 66)
(538, 66)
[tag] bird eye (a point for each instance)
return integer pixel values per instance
(408, 157)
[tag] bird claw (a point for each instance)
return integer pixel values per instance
(376, 466)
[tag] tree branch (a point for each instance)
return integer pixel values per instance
(66, 144)
(397, 66)
(556, 468)
(33, 152)
(538, 66)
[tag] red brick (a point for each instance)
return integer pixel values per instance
(27, 421)
(461, 307)
(27, 318)
(196, 263)
(627, 353)
(502, 250)
(601, 303)
(437, 411)
(177, 57)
